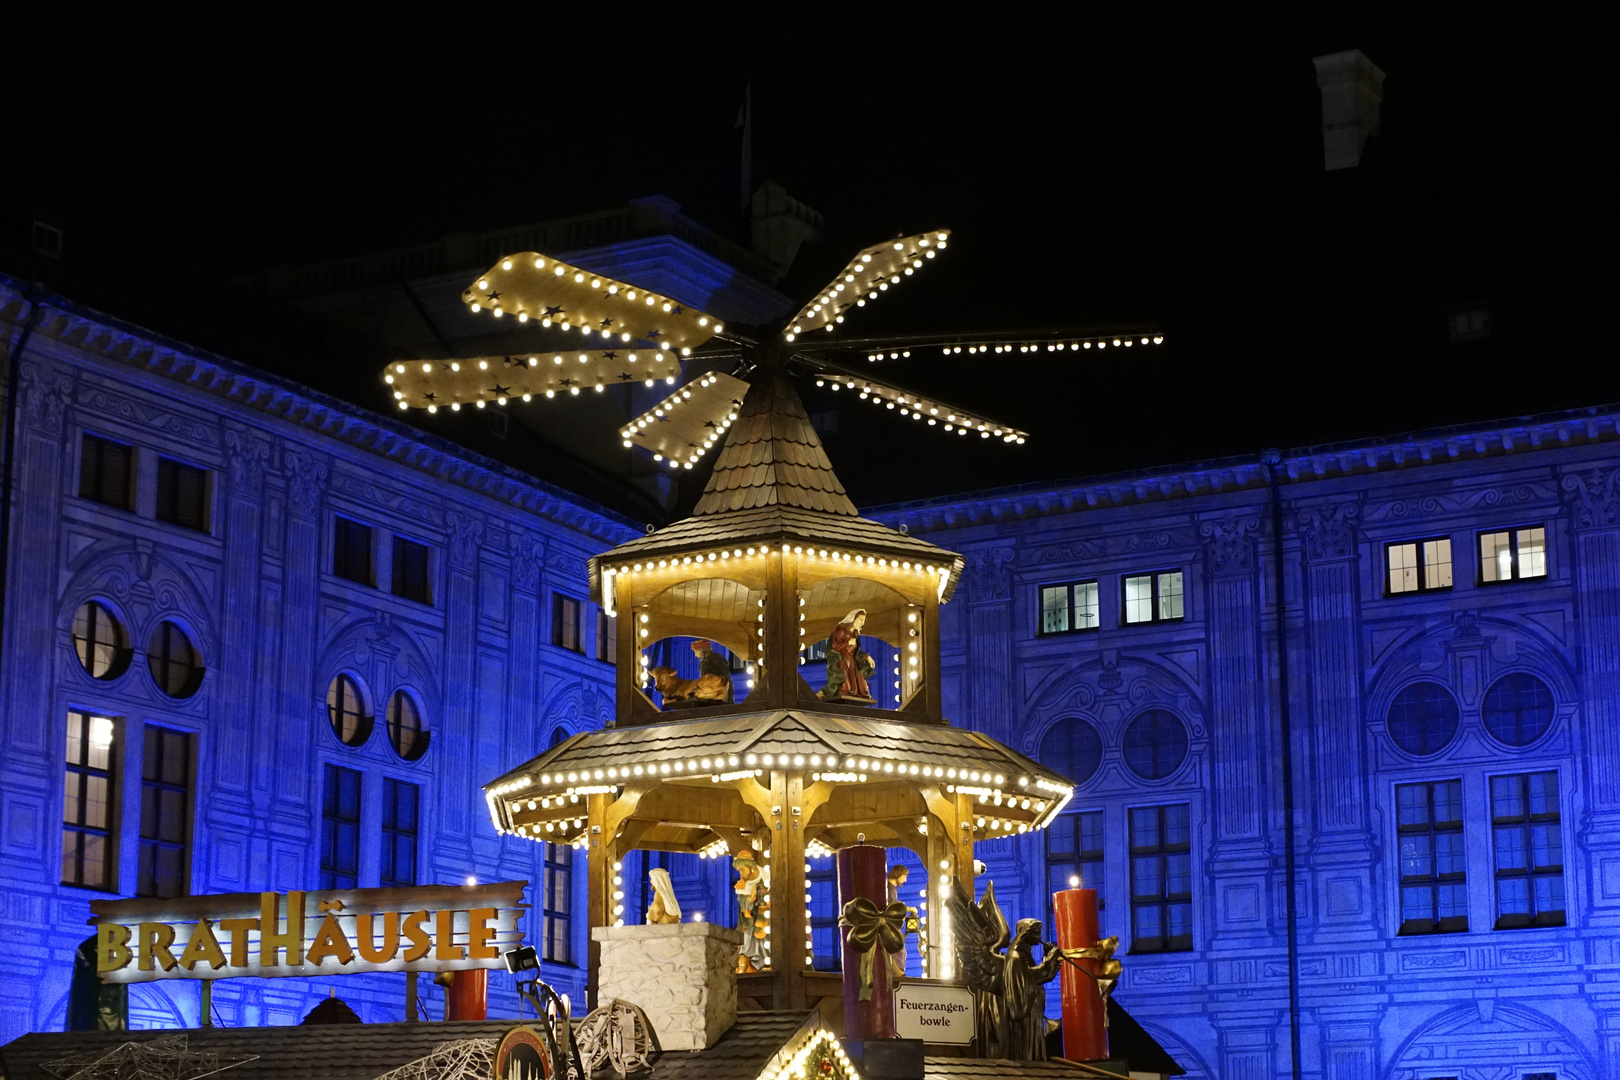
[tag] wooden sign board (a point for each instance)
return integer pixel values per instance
(934, 1011)
(331, 932)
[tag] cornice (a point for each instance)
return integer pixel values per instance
(1230, 476)
(106, 337)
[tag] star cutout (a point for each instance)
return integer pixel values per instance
(492, 296)
(565, 382)
(605, 323)
(663, 419)
(498, 390)
(678, 310)
(558, 310)
(653, 333)
(710, 423)
(610, 355)
(625, 376)
(431, 396)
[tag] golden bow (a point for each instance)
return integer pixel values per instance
(870, 925)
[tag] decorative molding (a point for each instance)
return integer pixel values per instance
(528, 556)
(1229, 542)
(1594, 498)
(46, 392)
(246, 454)
(1328, 532)
(988, 576)
(400, 503)
(466, 534)
(306, 482)
(99, 399)
(1458, 502)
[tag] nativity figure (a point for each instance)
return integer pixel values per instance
(848, 665)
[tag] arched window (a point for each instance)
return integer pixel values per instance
(560, 735)
(346, 707)
(1155, 744)
(173, 661)
(1073, 748)
(1518, 709)
(1423, 718)
(100, 640)
(405, 731)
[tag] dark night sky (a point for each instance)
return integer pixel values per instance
(240, 137)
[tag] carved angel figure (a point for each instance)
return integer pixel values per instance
(1007, 985)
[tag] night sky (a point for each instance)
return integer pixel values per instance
(242, 138)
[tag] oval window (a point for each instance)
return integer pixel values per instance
(1518, 709)
(1155, 744)
(173, 661)
(405, 729)
(1073, 748)
(100, 640)
(1423, 718)
(346, 707)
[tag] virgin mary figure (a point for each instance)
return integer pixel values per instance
(847, 664)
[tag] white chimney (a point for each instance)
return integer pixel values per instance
(1352, 88)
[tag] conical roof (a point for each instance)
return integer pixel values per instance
(773, 457)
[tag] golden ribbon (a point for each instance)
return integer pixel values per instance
(869, 926)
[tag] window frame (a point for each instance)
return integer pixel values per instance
(607, 638)
(365, 718)
(204, 500)
(392, 832)
(398, 546)
(187, 791)
(1165, 943)
(422, 737)
(110, 831)
(1434, 880)
(1154, 597)
(559, 602)
(556, 923)
(1526, 821)
(340, 551)
(332, 823)
(159, 664)
(121, 643)
(131, 466)
(1423, 585)
(1075, 863)
(1071, 610)
(1512, 532)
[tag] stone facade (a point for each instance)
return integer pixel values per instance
(683, 976)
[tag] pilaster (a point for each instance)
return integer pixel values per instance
(306, 476)
(460, 687)
(988, 583)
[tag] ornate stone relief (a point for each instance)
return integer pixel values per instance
(98, 399)
(306, 482)
(46, 392)
(246, 454)
(466, 533)
(1594, 498)
(1229, 542)
(989, 573)
(528, 555)
(1327, 532)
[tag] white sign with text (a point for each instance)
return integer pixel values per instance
(936, 1012)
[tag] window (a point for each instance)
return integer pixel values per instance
(1161, 879)
(399, 827)
(405, 732)
(1434, 889)
(607, 638)
(106, 472)
(351, 550)
(1074, 849)
(556, 944)
(340, 829)
(1069, 607)
(1468, 323)
(87, 812)
(1518, 709)
(1153, 597)
(165, 813)
(47, 239)
(1513, 554)
(821, 889)
(1073, 748)
(182, 495)
(173, 661)
(100, 641)
(346, 708)
(1529, 851)
(1423, 718)
(411, 570)
(1155, 744)
(567, 631)
(1418, 565)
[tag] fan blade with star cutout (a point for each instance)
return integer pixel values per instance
(437, 384)
(872, 272)
(682, 427)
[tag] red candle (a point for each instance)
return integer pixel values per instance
(467, 996)
(862, 872)
(1085, 1037)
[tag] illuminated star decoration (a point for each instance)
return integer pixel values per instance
(166, 1058)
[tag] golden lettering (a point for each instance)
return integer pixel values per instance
(445, 948)
(156, 937)
(365, 936)
(420, 942)
(112, 947)
(272, 941)
(330, 940)
(238, 929)
(480, 933)
(202, 946)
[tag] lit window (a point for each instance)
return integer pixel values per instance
(346, 708)
(182, 495)
(607, 638)
(88, 850)
(1072, 748)
(165, 813)
(399, 826)
(1418, 565)
(410, 570)
(100, 641)
(340, 829)
(1161, 879)
(106, 472)
(1069, 607)
(405, 732)
(1518, 709)
(351, 550)
(1074, 849)
(567, 629)
(1529, 851)
(1513, 554)
(1434, 887)
(1155, 597)
(1155, 744)
(173, 661)
(1423, 718)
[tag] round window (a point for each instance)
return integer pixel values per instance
(346, 707)
(1518, 709)
(1155, 744)
(1073, 748)
(1423, 718)
(173, 661)
(405, 730)
(100, 640)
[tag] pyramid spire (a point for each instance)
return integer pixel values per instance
(772, 457)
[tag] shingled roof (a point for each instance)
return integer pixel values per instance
(772, 457)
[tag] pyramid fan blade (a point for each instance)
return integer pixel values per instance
(872, 272)
(682, 427)
(436, 384)
(920, 407)
(534, 288)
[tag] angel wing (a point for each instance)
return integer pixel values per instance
(981, 933)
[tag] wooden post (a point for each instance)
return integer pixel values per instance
(787, 888)
(940, 849)
(963, 834)
(206, 992)
(933, 707)
(627, 673)
(598, 874)
(411, 1014)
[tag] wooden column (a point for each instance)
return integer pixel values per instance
(781, 631)
(787, 888)
(627, 673)
(599, 893)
